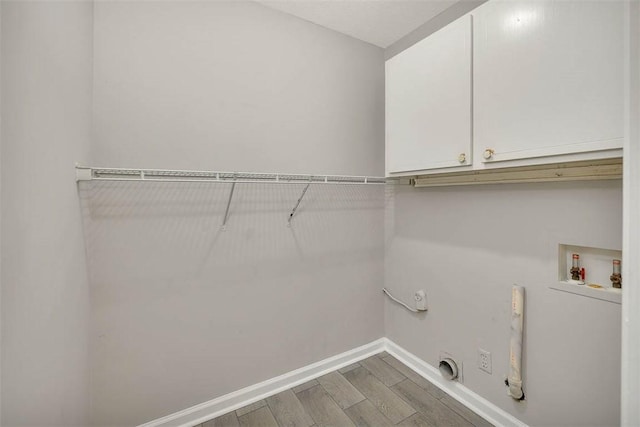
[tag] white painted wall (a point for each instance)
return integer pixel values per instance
(182, 311)
(233, 86)
(0, 212)
(460, 8)
(466, 246)
(631, 240)
(46, 112)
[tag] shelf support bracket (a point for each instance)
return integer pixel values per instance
(83, 174)
(295, 208)
(226, 212)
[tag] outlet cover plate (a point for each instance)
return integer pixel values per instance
(484, 360)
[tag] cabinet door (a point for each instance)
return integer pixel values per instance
(548, 78)
(428, 102)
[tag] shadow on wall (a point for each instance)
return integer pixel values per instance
(492, 217)
(172, 293)
(466, 246)
(170, 232)
(173, 231)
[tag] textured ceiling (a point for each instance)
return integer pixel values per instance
(379, 22)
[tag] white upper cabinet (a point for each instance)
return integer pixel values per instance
(428, 102)
(548, 79)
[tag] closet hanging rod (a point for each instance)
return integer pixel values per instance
(84, 173)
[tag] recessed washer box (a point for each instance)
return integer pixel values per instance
(598, 264)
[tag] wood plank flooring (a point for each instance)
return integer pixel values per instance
(376, 392)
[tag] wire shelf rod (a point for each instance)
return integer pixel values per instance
(166, 175)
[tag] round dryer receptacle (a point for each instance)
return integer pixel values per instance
(448, 368)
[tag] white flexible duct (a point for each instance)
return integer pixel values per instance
(515, 358)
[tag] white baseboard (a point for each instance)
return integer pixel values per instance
(229, 402)
(462, 394)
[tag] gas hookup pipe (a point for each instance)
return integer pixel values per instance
(514, 380)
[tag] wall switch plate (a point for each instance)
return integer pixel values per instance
(484, 360)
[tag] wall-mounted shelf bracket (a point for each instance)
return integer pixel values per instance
(226, 212)
(295, 208)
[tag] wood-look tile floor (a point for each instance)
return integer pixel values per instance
(378, 391)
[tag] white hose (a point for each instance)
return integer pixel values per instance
(399, 302)
(515, 347)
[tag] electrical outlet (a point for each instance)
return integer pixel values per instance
(484, 360)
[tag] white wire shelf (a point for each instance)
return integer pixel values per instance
(84, 173)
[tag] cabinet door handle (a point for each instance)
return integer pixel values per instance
(462, 158)
(488, 154)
